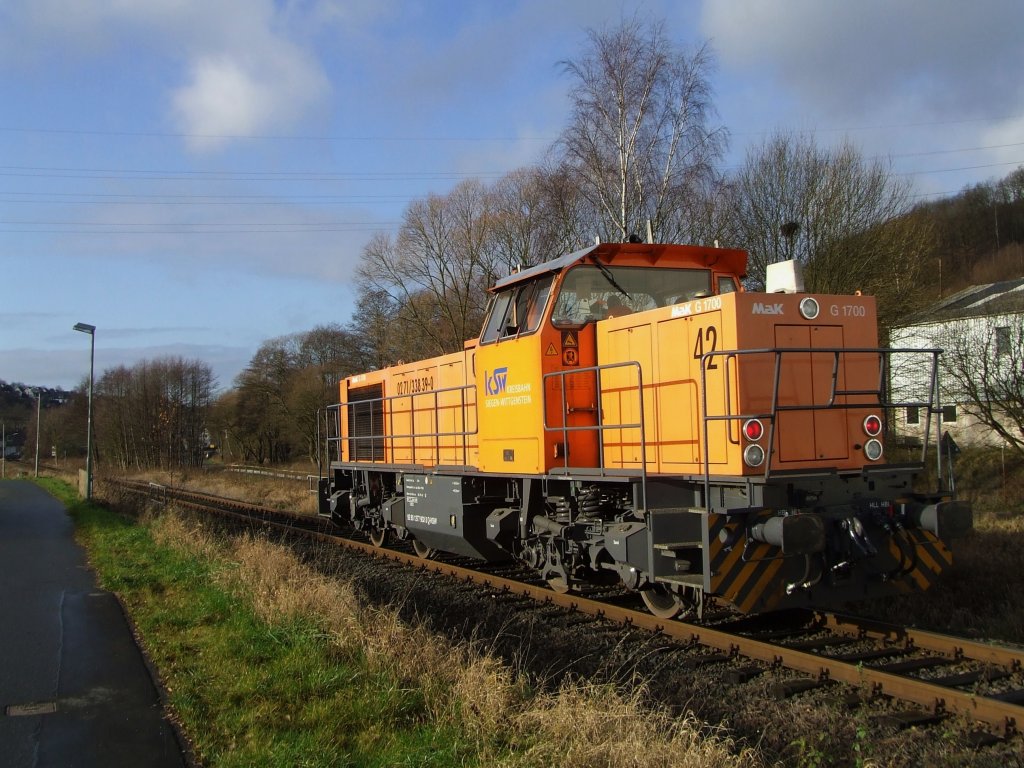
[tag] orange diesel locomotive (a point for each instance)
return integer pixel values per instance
(630, 414)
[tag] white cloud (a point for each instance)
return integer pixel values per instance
(229, 95)
(243, 64)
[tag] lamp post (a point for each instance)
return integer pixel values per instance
(91, 330)
(39, 414)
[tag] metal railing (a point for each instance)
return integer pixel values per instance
(386, 439)
(880, 395)
(599, 428)
(428, 403)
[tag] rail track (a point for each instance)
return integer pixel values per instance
(866, 660)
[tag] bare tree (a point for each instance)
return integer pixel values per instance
(374, 330)
(438, 267)
(325, 355)
(639, 143)
(983, 372)
(154, 413)
(536, 215)
(272, 414)
(844, 217)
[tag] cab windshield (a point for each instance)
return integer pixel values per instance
(590, 293)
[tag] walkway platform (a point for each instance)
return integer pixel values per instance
(74, 688)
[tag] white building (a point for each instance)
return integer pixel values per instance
(981, 370)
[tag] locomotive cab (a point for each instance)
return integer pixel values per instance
(538, 348)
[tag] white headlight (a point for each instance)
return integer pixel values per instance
(873, 450)
(809, 308)
(753, 455)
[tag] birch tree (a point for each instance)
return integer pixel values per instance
(640, 142)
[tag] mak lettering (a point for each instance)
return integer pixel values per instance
(766, 309)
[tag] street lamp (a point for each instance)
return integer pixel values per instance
(39, 413)
(91, 330)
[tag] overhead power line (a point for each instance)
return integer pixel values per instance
(63, 198)
(129, 175)
(269, 137)
(195, 223)
(456, 139)
(956, 151)
(881, 127)
(274, 229)
(964, 168)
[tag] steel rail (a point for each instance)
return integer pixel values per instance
(918, 639)
(938, 699)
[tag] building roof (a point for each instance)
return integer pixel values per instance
(1002, 298)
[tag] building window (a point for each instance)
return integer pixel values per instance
(1002, 341)
(913, 414)
(949, 413)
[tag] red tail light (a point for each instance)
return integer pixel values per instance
(872, 426)
(753, 429)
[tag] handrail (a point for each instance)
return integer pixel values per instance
(933, 405)
(389, 436)
(600, 427)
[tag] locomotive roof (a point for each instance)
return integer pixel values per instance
(554, 265)
(733, 260)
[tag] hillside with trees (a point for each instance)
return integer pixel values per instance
(979, 235)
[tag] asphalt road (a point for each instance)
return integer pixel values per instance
(74, 689)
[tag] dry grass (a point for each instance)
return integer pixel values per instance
(579, 725)
(591, 726)
(169, 529)
(457, 683)
(274, 492)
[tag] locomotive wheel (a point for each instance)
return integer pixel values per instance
(422, 550)
(662, 602)
(378, 536)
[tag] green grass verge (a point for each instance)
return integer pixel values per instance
(250, 692)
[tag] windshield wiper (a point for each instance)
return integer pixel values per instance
(608, 276)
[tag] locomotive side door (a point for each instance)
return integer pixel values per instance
(572, 403)
(571, 396)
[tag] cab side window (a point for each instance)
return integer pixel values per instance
(516, 311)
(496, 315)
(726, 285)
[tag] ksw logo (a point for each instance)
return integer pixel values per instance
(767, 309)
(495, 382)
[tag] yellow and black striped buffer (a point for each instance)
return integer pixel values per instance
(753, 576)
(930, 557)
(747, 575)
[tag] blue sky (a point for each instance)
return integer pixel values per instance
(194, 177)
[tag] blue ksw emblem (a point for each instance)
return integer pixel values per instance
(495, 382)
